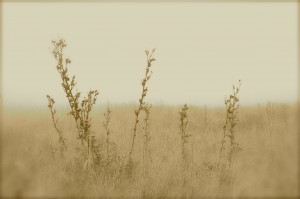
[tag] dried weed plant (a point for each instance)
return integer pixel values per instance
(141, 107)
(79, 110)
(228, 144)
(62, 142)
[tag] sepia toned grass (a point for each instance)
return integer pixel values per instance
(32, 166)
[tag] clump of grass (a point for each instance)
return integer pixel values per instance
(62, 142)
(228, 139)
(79, 110)
(141, 106)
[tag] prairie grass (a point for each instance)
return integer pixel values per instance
(32, 166)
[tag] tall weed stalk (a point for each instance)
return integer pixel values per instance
(141, 107)
(79, 110)
(229, 146)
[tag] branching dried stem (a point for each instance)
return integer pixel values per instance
(148, 73)
(232, 105)
(79, 111)
(51, 102)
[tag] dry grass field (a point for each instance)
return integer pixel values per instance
(267, 165)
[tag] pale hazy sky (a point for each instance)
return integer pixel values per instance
(202, 49)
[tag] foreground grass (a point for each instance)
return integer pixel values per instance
(267, 166)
